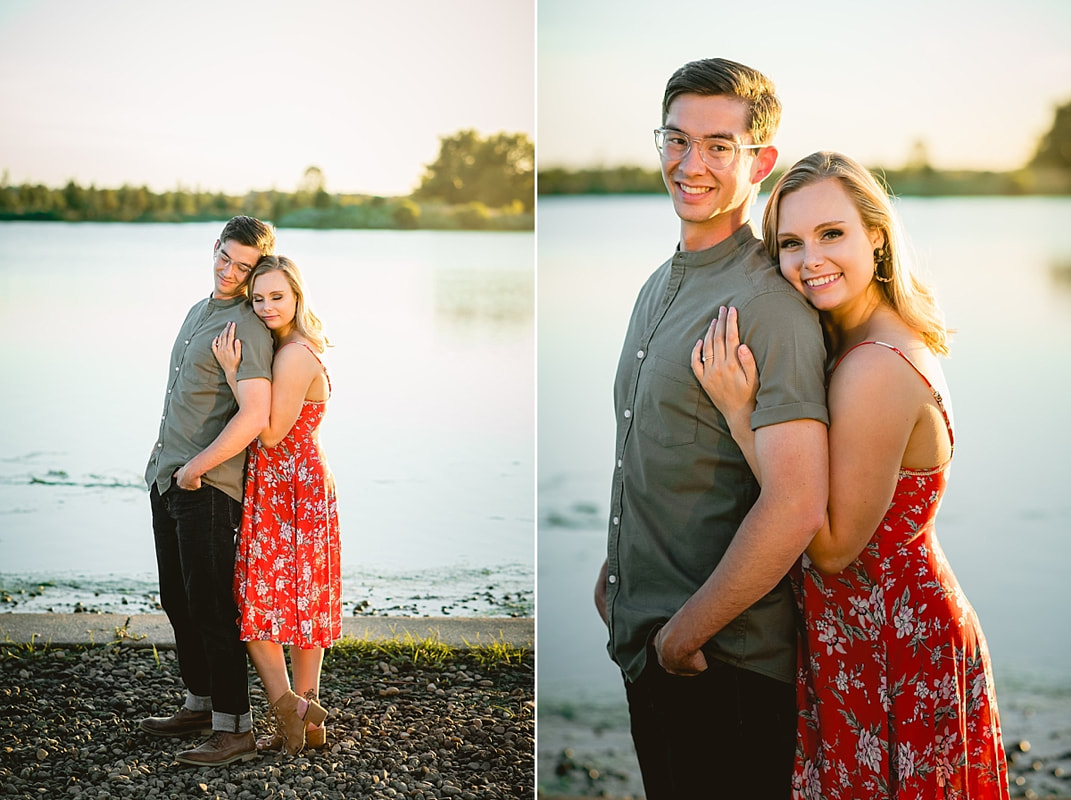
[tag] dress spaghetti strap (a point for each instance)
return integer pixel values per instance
(933, 390)
(318, 360)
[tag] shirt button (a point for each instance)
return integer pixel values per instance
(187, 341)
(611, 579)
(176, 369)
(628, 412)
(617, 520)
(619, 463)
(639, 354)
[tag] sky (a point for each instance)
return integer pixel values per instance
(231, 97)
(976, 80)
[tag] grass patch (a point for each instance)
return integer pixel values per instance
(426, 652)
(123, 632)
(497, 654)
(27, 648)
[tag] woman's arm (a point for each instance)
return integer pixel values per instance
(253, 400)
(874, 400)
(768, 542)
(293, 371)
(874, 403)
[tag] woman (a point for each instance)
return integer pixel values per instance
(895, 687)
(287, 582)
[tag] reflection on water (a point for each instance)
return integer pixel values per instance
(477, 301)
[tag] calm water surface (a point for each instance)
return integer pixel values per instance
(1002, 268)
(429, 429)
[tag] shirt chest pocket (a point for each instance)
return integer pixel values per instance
(668, 402)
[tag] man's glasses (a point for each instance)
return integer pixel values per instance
(227, 261)
(716, 153)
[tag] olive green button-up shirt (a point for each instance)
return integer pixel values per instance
(681, 485)
(198, 403)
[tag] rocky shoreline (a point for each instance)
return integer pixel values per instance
(454, 726)
(578, 760)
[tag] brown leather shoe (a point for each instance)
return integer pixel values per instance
(221, 748)
(182, 723)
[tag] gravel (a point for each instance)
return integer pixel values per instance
(455, 729)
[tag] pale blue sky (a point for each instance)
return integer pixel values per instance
(977, 80)
(237, 96)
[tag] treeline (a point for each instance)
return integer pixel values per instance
(76, 203)
(909, 181)
(476, 183)
(1048, 172)
(612, 180)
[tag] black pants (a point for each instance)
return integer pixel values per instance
(725, 733)
(195, 544)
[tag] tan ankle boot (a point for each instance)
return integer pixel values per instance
(315, 738)
(293, 723)
(275, 738)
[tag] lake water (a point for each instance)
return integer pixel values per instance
(429, 429)
(1002, 269)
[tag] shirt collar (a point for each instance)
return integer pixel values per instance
(742, 236)
(232, 301)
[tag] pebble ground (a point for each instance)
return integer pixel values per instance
(456, 729)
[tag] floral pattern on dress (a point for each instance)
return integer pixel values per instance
(894, 681)
(287, 578)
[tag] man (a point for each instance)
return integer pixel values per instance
(693, 591)
(195, 478)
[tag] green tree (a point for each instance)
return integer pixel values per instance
(133, 202)
(185, 204)
(108, 204)
(1054, 149)
(407, 215)
(473, 216)
(494, 171)
(74, 197)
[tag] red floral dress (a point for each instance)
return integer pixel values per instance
(894, 682)
(287, 580)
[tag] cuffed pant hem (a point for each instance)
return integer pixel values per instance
(232, 723)
(196, 703)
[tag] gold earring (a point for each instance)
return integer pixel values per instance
(880, 257)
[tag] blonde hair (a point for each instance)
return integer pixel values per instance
(912, 300)
(305, 322)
